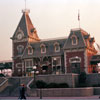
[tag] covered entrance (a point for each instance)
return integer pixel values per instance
(75, 67)
(44, 69)
(95, 64)
(75, 64)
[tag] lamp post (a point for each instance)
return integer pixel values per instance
(35, 71)
(55, 59)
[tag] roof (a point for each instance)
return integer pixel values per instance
(26, 26)
(6, 61)
(95, 59)
(49, 48)
(79, 34)
(6, 65)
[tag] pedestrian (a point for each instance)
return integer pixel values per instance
(22, 92)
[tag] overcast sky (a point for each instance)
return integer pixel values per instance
(51, 18)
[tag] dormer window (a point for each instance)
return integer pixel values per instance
(43, 48)
(56, 47)
(30, 50)
(20, 49)
(74, 40)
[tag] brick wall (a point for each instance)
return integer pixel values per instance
(73, 54)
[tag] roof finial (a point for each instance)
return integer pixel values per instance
(25, 10)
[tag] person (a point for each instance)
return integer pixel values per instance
(22, 92)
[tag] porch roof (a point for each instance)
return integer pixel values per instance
(95, 59)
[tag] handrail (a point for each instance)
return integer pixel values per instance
(3, 82)
(28, 85)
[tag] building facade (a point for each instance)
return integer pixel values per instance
(70, 54)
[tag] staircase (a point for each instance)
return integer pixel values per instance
(13, 86)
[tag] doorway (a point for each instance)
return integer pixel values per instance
(75, 67)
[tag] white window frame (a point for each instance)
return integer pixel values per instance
(56, 44)
(30, 53)
(75, 58)
(22, 47)
(43, 45)
(29, 66)
(53, 61)
(18, 66)
(74, 36)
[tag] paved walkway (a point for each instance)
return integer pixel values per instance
(53, 98)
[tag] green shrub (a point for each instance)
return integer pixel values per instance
(82, 79)
(63, 85)
(52, 85)
(41, 84)
(96, 85)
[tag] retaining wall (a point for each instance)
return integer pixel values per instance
(70, 79)
(93, 79)
(66, 92)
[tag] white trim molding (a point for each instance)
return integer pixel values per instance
(85, 61)
(55, 47)
(43, 46)
(65, 61)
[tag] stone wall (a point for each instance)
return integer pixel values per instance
(93, 79)
(70, 79)
(65, 92)
(96, 90)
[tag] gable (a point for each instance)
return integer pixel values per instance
(50, 51)
(80, 43)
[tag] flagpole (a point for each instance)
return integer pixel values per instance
(79, 17)
(25, 4)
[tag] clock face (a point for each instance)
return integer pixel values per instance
(19, 36)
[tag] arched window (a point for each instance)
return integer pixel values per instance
(75, 59)
(74, 40)
(30, 50)
(43, 48)
(20, 49)
(56, 47)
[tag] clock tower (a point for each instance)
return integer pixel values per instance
(24, 33)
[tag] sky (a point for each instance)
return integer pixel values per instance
(51, 18)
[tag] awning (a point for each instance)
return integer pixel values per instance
(95, 59)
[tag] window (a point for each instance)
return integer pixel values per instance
(29, 63)
(43, 48)
(18, 65)
(30, 50)
(74, 40)
(56, 65)
(20, 49)
(56, 47)
(57, 61)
